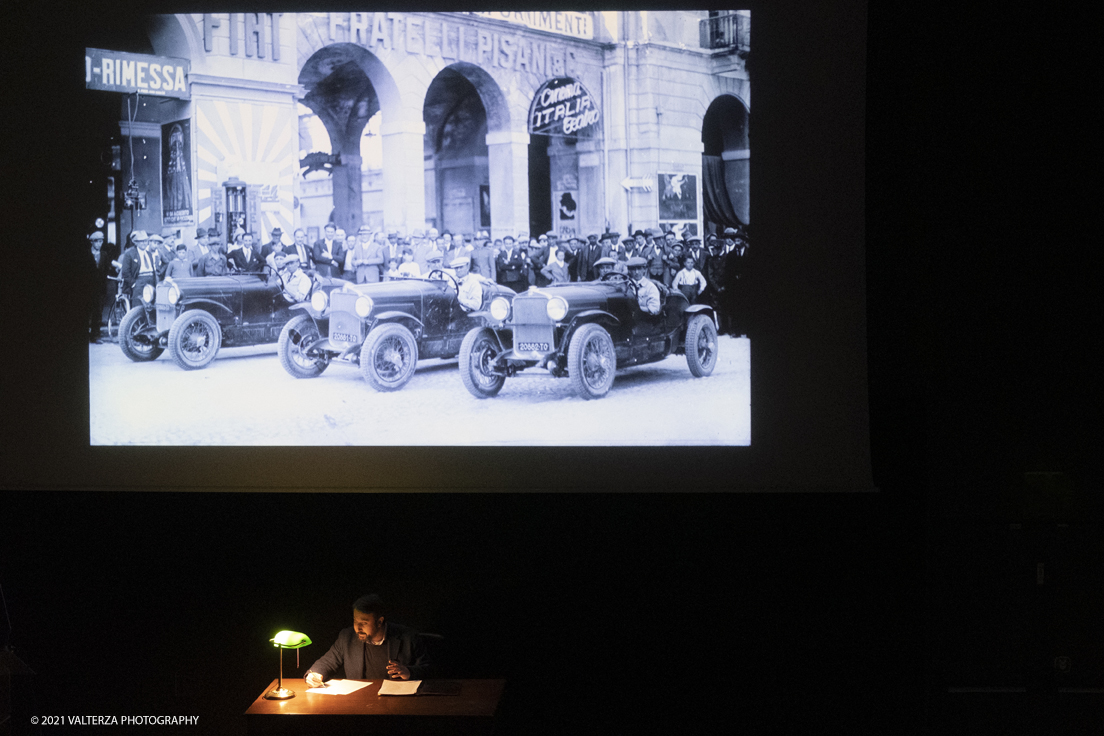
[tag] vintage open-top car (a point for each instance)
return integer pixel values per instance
(585, 331)
(194, 317)
(382, 327)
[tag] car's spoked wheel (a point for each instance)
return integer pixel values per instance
(134, 344)
(591, 362)
(194, 340)
(297, 334)
(477, 356)
(389, 357)
(701, 346)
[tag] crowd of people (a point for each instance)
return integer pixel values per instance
(715, 271)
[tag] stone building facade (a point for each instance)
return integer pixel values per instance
(509, 122)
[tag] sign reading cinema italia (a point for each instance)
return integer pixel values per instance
(116, 71)
(562, 106)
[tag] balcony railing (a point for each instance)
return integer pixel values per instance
(730, 31)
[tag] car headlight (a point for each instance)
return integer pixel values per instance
(363, 306)
(556, 308)
(174, 294)
(500, 308)
(319, 300)
(147, 293)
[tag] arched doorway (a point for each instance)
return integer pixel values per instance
(457, 176)
(471, 169)
(346, 86)
(726, 160)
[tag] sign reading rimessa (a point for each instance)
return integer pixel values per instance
(117, 71)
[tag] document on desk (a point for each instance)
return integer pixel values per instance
(399, 687)
(338, 687)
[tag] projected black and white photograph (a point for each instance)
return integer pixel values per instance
(404, 229)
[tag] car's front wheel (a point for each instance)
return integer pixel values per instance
(298, 333)
(477, 357)
(389, 357)
(591, 362)
(194, 340)
(701, 346)
(134, 344)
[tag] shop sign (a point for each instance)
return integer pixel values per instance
(576, 25)
(116, 71)
(562, 107)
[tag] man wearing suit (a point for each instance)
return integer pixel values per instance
(246, 258)
(197, 254)
(96, 270)
(483, 257)
(138, 266)
(372, 649)
(510, 266)
(276, 245)
(588, 256)
(301, 249)
(328, 255)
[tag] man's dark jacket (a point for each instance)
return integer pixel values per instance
(346, 656)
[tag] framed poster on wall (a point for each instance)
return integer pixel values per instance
(678, 197)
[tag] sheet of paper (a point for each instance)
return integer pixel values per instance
(339, 687)
(399, 687)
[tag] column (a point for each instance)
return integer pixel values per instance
(403, 175)
(508, 164)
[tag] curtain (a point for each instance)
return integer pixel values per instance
(715, 200)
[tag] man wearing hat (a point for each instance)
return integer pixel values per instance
(647, 293)
(275, 243)
(736, 274)
(138, 266)
(470, 294)
(510, 265)
(367, 256)
(197, 254)
(161, 254)
(587, 256)
(96, 264)
(296, 284)
(483, 256)
(215, 262)
(604, 265)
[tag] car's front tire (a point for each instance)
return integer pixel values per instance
(133, 323)
(477, 353)
(194, 340)
(389, 357)
(591, 362)
(701, 346)
(300, 331)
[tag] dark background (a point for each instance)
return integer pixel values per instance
(617, 613)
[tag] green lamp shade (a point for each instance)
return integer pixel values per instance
(290, 640)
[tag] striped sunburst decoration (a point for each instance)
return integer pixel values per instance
(255, 142)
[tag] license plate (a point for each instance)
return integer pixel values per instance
(344, 337)
(539, 347)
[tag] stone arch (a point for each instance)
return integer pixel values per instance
(726, 154)
(346, 84)
(177, 35)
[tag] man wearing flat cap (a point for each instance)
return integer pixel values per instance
(470, 284)
(96, 269)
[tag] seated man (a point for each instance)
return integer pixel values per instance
(372, 649)
(297, 285)
(470, 284)
(647, 293)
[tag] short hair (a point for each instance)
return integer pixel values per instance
(371, 604)
(408, 250)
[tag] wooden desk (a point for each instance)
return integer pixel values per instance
(366, 711)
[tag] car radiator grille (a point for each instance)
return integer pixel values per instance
(166, 313)
(532, 327)
(346, 328)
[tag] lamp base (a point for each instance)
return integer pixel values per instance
(279, 693)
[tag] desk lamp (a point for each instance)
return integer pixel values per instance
(285, 640)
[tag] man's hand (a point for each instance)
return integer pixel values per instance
(397, 671)
(314, 679)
